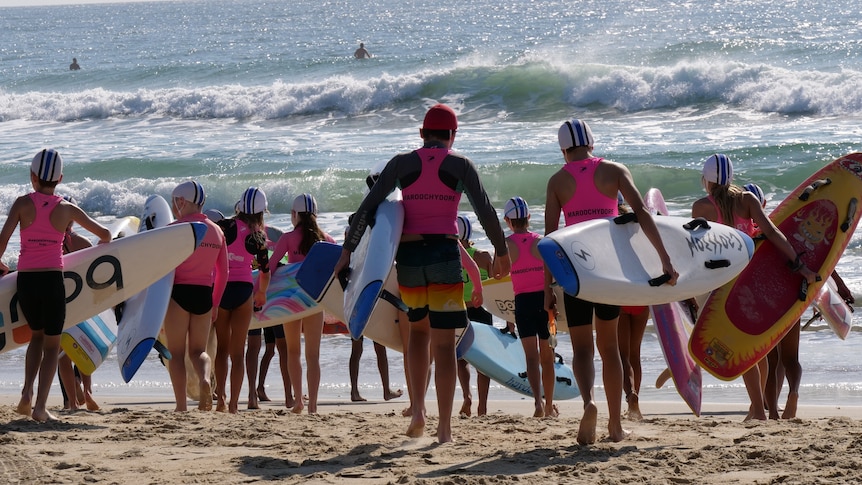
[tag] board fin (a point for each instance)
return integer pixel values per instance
(394, 300)
(851, 213)
(814, 186)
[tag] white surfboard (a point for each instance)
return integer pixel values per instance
(144, 312)
(832, 308)
(102, 276)
(317, 279)
(500, 356)
(499, 300)
(88, 343)
(372, 264)
(611, 261)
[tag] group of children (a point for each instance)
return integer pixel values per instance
(214, 286)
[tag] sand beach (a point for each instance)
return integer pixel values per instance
(134, 440)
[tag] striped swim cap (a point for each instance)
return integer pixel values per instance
(516, 208)
(305, 203)
(757, 191)
(465, 229)
(47, 165)
(575, 133)
(718, 169)
(190, 191)
(253, 201)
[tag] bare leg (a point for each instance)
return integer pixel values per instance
(292, 336)
(199, 334)
(549, 378)
(612, 375)
(483, 383)
(91, 403)
(240, 318)
(772, 389)
(32, 364)
(353, 368)
(464, 381)
(223, 338)
(268, 353)
(755, 393)
(281, 346)
(585, 376)
(251, 368)
(68, 381)
(312, 328)
(176, 329)
(418, 364)
(790, 359)
(445, 376)
(47, 370)
(383, 370)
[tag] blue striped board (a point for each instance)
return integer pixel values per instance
(500, 356)
(89, 343)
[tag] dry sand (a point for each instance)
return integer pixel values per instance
(132, 441)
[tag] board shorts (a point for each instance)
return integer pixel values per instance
(478, 314)
(429, 278)
(632, 310)
(195, 299)
(580, 313)
(531, 317)
(269, 333)
(42, 296)
(236, 293)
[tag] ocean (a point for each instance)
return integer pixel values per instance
(249, 93)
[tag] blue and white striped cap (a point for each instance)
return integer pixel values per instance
(757, 191)
(575, 133)
(305, 203)
(47, 165)
(516, 208)
(190, 191)
(718, 169)
(465, 229)
(253, 201)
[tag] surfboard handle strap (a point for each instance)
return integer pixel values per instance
(814, 186)
(390, 298)
(803, 288)
(851, 214)
(717, 263)
(626, 218)
(696, 223)
(660, 280)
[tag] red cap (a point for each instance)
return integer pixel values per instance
(440, 117)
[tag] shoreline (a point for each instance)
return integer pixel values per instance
(132, 438)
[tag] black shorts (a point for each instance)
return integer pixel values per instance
(42, 296)
(269, 333)
(195, 299)
(580, 313)
(480, 315)
(236, 293)
(531, 318)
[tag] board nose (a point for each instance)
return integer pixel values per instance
(200, 230)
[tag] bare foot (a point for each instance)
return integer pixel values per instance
(407, 412)
(634, 411)
(289, 402)
(298, 407)
(261, 395)
(43, 416)
(25, 406)
(355, 397)
(587, 428)
(465, 408)
(444, 434)
(233, 408)
(252, 401)
(206, 396)
(617, 433)
(552, 412)
(756, 414)
(389, 394)
(92, 405)
(790, 407)
(482, 409)
(417, 427)
(539, 412)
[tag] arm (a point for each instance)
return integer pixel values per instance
(263, 274)
(645, 220)
(776, 237)
(219, 278)
(843, 291)
(473, 272)
(8, 228)
(279, 250)
(553, 207)
(487, 216)
(88, 223)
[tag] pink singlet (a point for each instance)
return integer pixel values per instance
(528, 272)
(587, 203)
(41, 243)
(430, 207)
